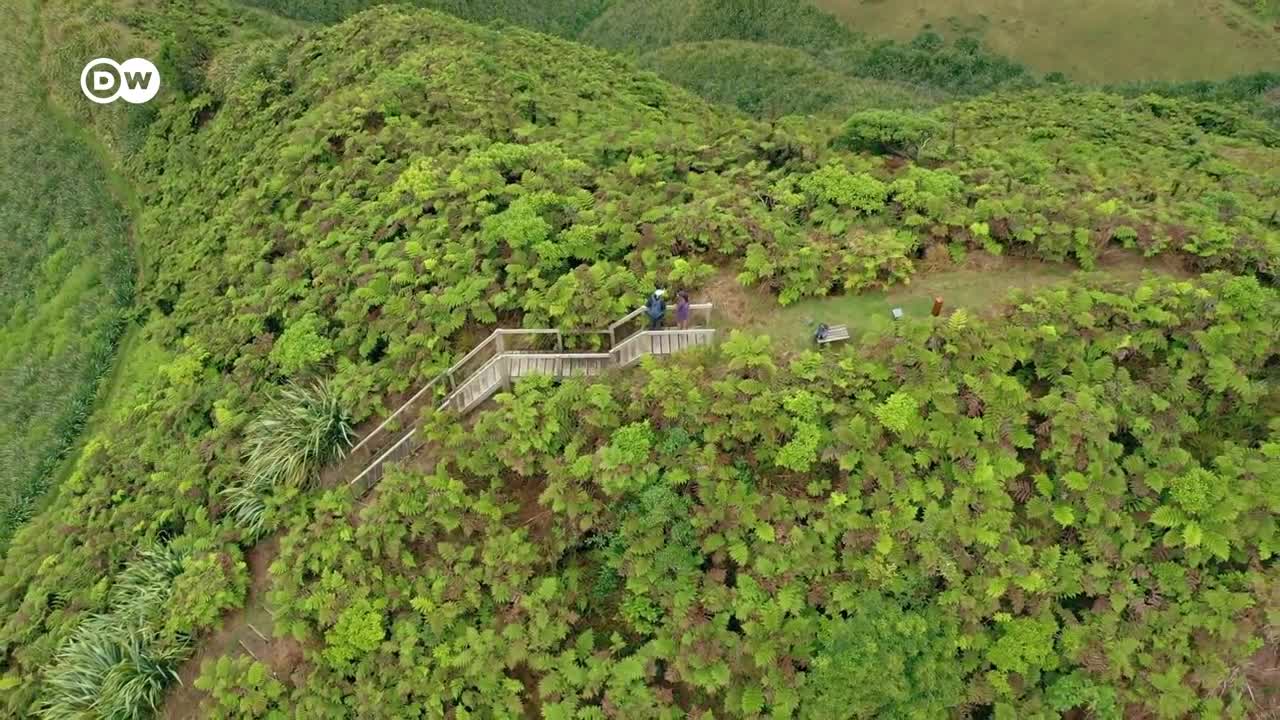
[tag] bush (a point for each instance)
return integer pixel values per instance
(209, 585)
(894, 132)
(243, 689)
(301, 347)
(299, 432)
(359, 631)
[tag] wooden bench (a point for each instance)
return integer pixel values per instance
(835, 333)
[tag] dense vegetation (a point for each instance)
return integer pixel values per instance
(834, 65)
(1072, 509)
(1070, 506)
(65, 282)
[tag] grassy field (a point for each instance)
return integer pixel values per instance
(770, 81)
(65, 283)
(980, 286)
(1090, 40)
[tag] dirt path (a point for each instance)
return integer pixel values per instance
(248, 630)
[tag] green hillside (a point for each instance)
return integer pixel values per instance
(1101, 41)
(65, 282)
(1062, 504)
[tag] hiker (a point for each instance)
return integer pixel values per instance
(682, 309)
(656, 308)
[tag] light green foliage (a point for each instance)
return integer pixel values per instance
(624, 462)
(209, 585)
(243, 689)
(1196, 490)
(301, 347)
(884, 662)
(359, 631)
(899, 412)
(889, 131)
(1024, 646)
(835, 185)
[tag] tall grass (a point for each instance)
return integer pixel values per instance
(116, 664)
(66, 279)
(302, 430)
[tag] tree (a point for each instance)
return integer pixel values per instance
(889, 132)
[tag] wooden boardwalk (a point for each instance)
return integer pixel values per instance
(503, 357)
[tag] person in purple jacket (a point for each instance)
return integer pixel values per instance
(682, 310)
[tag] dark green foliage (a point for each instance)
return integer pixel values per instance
(566, 18)
(770, 81)
(1259, 92)
(984, 525)
(889, 132)
(963, 68)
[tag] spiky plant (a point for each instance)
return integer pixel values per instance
(74, 682)
(114, 665)
(110, 670)
(135, 686)
(298, 433)
(247, 503)
(142, 590)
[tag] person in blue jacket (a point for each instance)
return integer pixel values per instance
(656, 308)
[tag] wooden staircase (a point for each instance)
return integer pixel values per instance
(510, 354)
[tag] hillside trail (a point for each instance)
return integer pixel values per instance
(250, 630)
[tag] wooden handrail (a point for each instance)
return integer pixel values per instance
(399, 410)
(496, 337)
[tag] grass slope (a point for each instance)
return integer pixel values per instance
(64, 285)
(1099, 41)
(769, 81)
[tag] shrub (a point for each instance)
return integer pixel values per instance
(301, 347)
(242, 688)
(209, 584)
(302, 430)
(359, 631)
(892, 132)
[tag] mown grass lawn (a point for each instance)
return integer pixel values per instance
(980, 288)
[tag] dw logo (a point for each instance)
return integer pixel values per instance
(136, 80)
